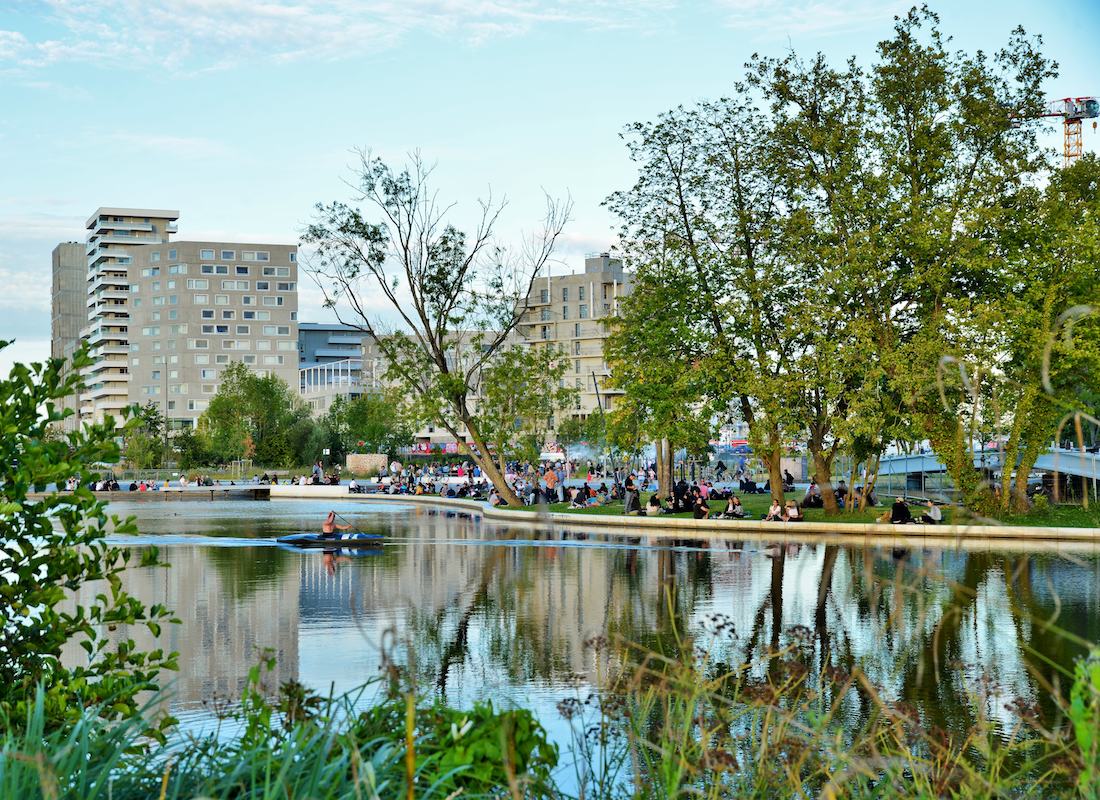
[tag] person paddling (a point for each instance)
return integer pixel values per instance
(329, 527)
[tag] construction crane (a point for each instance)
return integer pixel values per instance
(1072, 110)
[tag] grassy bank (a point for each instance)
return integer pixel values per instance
(1063, 516)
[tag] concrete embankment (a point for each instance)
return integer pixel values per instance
(661, 526)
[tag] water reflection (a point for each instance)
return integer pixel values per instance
(480, 610)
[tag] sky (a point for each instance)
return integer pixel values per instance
(243, 114)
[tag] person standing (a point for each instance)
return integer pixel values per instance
(631, 492)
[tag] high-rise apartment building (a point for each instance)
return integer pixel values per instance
(112, 232)
(195, 307)
(69, 294)
(567, 313)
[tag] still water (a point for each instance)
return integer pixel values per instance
(484, 610)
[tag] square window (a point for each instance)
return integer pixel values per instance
(229, 255)
(135, 288)
(171, 405)
(156, 345)
(171, 344)
(206, 254)
(158, 301)
(156, 316)
(172, 255)
(158, 360)
(169, 285)
(134, 361)
(154, 256)
(269, 330)
(173, 374)
(173, 299)
(156, 286)
(173, 314)
(137, 302)
(134, 347)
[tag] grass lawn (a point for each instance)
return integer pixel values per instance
(757, 505)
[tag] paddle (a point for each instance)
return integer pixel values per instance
(369, 535)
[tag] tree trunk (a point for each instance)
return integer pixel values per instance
(771, 461)
(869, 483)
(488, 466)
(664, 467)
(823, 466)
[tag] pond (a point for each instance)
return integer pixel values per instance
(481, 609)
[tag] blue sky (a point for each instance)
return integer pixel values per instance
(242, 113)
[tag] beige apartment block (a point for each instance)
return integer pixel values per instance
(568, 313)
(112, 233)
(196, 307)
(68, 312)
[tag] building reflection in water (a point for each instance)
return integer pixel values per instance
(479, 610)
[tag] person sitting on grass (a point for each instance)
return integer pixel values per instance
(579, 498)
(792, 513)
(494, 498)
(899, 513)
(775, 512)
(734, 509)
(700, 508)
(654, 507)
(933, 515)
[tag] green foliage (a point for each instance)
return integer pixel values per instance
(368, 424)
(52, 548)
(252, 416)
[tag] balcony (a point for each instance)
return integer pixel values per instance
(172, 227)
(108, 225)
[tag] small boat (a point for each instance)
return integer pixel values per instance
(340, 540)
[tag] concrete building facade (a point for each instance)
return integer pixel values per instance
(195, 307)
(568, 313)
(112, 232)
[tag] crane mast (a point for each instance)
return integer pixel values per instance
(1073, 110)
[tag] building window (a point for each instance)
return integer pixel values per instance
(264, 316)
(135, 288)
(578, 369)
(546, 314)
(242, 270)
(545, 331)
(220, 329)
(134, 361)
(273, 360)
(198, 283)
(207, 269)
(202, 358)
(221, 359)
(201, 299)
(198, 344)
(221, 299)
(544, 296)
(173, 314)
(172, 255)
(153, 330)
(156, 286)
(229, 255)
(137, 302)
(262, 286)
(169, 285)
(576, 348)
(158, 360)
(242, 330)
(208, 388)
(209, 374)
(206, 254)
(248, 315)
(207, 329)
(250, 300)
(156, 316)
(565, 312)
(246, 359)
(173, 299)
(177, 269)
(177, 388)
(584, 311)
(263, 344)
(134, 347)
(228, 313)
(565, 294)
(287, 345)
(255, 255)
(284, 287)
(208, 313)
(221, 269)
(273, 301)
(156, 375)
(580, 293)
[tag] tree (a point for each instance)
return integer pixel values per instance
(458, 299)
(144, 445)
(53, 545)
(253, 416)
(377, 423)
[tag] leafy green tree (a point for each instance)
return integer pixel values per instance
(192, 448)
(379, 422)
(53, 545)
(253, 416)
(144, 445)
(458, 299)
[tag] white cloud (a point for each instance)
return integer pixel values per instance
(24, 291)
(778, 19)
(187, 34)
